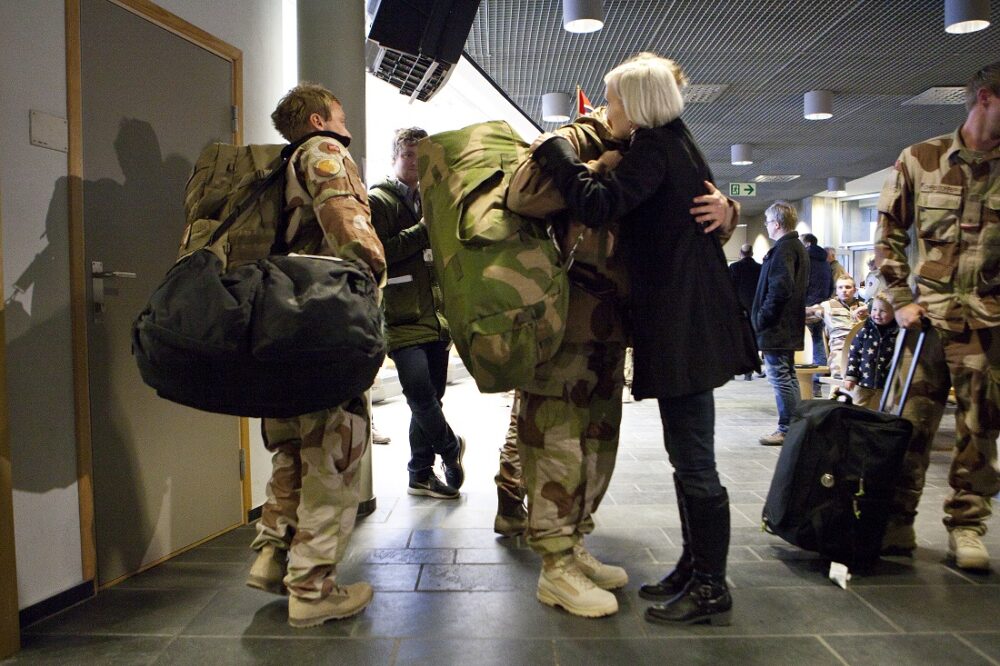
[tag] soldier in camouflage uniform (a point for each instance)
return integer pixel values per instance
(569, 416)
(313, 493)
(948, 190)
(512, 517)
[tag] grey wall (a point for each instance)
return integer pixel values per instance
(35, 237)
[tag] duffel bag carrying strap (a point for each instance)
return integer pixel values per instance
(258, 192)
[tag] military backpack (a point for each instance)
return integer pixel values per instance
(505, 290)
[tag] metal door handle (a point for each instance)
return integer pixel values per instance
(98, 276)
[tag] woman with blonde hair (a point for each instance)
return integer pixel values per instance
(683, 306)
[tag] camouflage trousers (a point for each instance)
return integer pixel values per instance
(862, 396)
(313, 493)
(567, 437)
(970, 362)
(508, 478)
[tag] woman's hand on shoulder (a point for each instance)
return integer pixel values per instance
(713, 210)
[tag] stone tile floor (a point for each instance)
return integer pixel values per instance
(449, 591)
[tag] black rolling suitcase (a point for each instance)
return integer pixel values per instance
(837, 472)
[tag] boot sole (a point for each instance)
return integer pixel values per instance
(650, 596)
(717, 619)
(551, 600)
(317, 621)
(268, 586)
(970, 565)
(422, 492)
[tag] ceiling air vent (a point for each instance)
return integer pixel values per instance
(703, 93)
(774, 179)
(939, 95)
(419, 77)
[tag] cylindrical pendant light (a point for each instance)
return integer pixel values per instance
(962, 16)
(818, 105)
(836, 185)
(741, 154)
(555, 107)
(582, 15)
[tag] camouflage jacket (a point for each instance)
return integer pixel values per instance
(327, 206)
(951, 196)
(598, 279)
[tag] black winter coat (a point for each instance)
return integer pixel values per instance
(745, 274)
(820, 276)
(779, 306)
(685, 317)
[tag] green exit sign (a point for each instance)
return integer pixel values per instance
(742, 190)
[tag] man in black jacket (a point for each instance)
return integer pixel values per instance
(819, 289)
(779, 311)
(745, 274)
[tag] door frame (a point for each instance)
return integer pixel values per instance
(10, 641)
(79, 274)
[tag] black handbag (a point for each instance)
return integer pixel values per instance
(283, 336)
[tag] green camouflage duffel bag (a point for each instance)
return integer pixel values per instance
(505, 290)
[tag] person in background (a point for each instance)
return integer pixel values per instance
(874, 283)
(838, 315)
(870, 355)
(416, 332)
(314, 490)
(779, 311)
(820, 287)
(836, 269)
(957, 271)
(745, 273)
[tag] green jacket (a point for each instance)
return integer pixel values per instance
(412, 297)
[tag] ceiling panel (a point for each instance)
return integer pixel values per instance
(874, 54)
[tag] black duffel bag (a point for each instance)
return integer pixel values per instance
(282, 336)
(279, 337)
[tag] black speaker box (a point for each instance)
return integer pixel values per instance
(436, 29)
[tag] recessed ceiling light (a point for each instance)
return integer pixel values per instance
(741, 154)
(582, 15)
(555, 107)
(964, 16)
(818, 105)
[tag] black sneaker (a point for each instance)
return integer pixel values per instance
(454, 472)
(432, 487)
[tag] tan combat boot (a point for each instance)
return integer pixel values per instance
(562, 584)
(965, 546)
(269, 570)
(605, 576)
(344, 601)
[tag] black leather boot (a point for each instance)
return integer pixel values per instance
(672, 584)
(706, 597)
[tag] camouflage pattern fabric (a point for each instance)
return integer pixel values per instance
(568, 440)
(505, 294)
(222, 177)
(838, 319)
(510, 486)
(313, 493)
(952, 196)
(970, 362)
(599, 282)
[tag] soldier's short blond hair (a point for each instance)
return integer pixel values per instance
(784, 214)
(291, 117)
(406, 136)
(988, 77)
(650, 89)
(846, 278)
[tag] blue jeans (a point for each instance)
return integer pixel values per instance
(689, 436)
(819, 348)
(423, 374)
(780, 369)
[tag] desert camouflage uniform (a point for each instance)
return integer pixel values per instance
(313, 494)
(838, 319)
(951, 195)
(570, 415)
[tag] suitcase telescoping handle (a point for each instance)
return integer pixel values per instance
(897, 357)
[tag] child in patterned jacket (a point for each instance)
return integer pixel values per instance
(870, 356)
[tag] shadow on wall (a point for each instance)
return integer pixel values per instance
(39, 342)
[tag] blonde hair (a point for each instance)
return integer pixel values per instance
(883, 298)
(650, 89)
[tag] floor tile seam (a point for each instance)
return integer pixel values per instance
(159, 653)
(729, 636)
(885, 618)
(822, 641)
(96, 634)
(964, 641)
